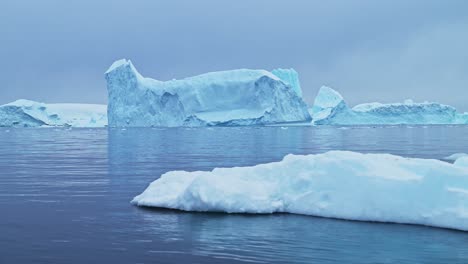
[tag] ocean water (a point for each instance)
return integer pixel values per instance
(65, 193)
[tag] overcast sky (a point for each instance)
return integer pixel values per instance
(387, 51)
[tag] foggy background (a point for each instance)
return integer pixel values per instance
(387, 51)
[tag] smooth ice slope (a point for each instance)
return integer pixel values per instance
(338, 184)
(25, 113)
(326, 104)
(238, 97)
(327, 98)
(330, 109)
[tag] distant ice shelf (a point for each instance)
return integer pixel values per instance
(337, 184)
(330, 109)
(226, 98)
(26, 113)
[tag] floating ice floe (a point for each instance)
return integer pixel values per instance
(337, 184)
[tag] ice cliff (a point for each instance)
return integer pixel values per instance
(226, 98)
(25, 113)
(290, 77)
(337, 184)
(330, 109)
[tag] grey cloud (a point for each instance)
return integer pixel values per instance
(57, 51)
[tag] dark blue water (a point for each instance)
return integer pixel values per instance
(64, 198)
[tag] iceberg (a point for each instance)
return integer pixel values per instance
(336, 184)
(26, 113)
(226, 98)
(330, 109)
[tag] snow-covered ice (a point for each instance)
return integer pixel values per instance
(226, 98)
(338, 184)
(26, 113)
(330, 109)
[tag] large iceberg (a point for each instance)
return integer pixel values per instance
(337, 184)
(226, 98)
(26, 113)
(330, 109)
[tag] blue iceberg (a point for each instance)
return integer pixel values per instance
(26, 113)
(330, 109)
(227, 98)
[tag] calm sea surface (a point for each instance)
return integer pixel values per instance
(64, 198)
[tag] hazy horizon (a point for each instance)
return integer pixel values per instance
(385, 51)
